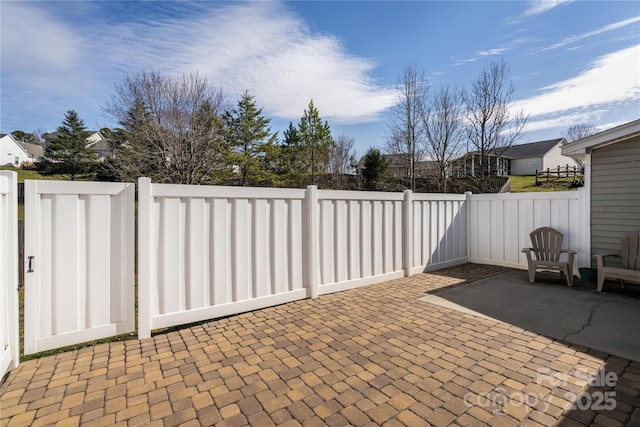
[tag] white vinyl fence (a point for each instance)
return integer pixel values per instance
(79, 262)
(499, 225)
(438, 231)
(209, 251)
(206, 251)
(9, 335)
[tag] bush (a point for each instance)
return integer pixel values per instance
(28, 165)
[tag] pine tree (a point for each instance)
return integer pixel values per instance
(316, 141)
(374, 171)
(292, 166)
(68, 153)
(248, 134)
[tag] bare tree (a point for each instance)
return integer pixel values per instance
(340, 160)
(579, 131)
(444, 129)
(172, 128)
(405, 132)
(491, 125)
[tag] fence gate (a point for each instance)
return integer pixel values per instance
(9, 344)
(78, 261)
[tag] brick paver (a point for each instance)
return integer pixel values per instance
(370, 356)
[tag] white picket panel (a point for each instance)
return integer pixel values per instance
(207, 252)
(499, 224)
(79, 262)
(361, 238)
(439, 226)
(9, 334)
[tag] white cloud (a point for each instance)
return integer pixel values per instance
(610, 79)
(270, 53)
(261, 47)
(537, 7)
(606, 28)
(31, 38)
(563, 121)
(37, 48)
(512, 44)
(491, 52)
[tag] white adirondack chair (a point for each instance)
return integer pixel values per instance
(546, 250)
(630, 256)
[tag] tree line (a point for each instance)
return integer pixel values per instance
(181, 129)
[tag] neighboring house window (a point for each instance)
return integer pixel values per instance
(535, 163)
(17, 161)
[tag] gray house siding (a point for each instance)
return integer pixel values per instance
(615, 194)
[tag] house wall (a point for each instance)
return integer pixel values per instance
(551, 160)
(9, 150)
(526, 166)
(554, 158)
(615, 194)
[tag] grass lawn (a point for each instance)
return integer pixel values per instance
(31, 174)
(523, 184)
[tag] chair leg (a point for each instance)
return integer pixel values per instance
(600, 280)
(532, 275)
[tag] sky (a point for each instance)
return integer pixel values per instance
(570, 61)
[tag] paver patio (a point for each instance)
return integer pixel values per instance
(370, 356)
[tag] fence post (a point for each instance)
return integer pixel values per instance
(145, 261)
(408, 233)
(9, 269)
(313, 239)
(467, 213)
(31, 282)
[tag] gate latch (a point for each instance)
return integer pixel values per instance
(29, 269)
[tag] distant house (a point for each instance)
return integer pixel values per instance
(612, 183)
(101, 145)
(14, 152)
(398, 166)
(521, 159)
(96, 141)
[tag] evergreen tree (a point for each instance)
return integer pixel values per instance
(374, 171)
(316, 141)
(292, 163)
(68, 153)
(248, 134)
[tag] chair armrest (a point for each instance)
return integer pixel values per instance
(600, 260)
(606, 255)
(525, 250)
(567, 251)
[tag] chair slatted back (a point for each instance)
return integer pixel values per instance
(630, 253)
(547, 243)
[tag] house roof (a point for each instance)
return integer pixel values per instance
(33, 150)
(532, 149)
(522, 151)
(578, 149)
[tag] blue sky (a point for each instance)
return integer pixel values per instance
(571, 61)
